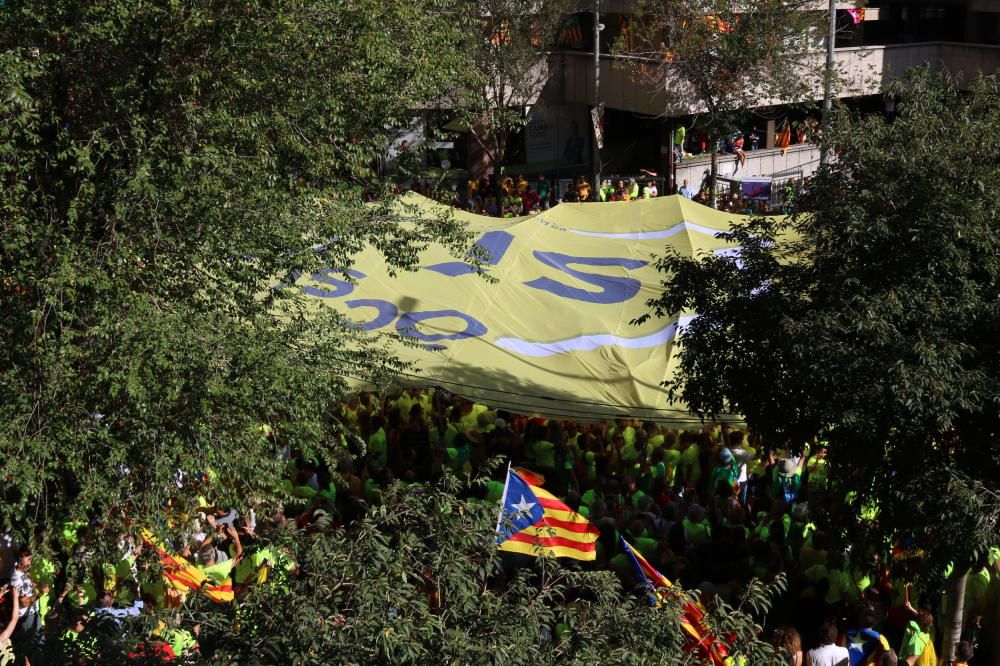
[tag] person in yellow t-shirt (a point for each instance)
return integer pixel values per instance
(522, 184)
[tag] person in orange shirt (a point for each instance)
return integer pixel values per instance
(738, 143)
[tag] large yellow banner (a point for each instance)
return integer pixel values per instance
(551, 334)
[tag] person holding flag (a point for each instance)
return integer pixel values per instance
(533, 521)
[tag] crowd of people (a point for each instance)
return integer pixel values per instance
(518, 196)
(711, 507)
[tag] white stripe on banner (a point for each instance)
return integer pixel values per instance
(651, 235)
(590, 342)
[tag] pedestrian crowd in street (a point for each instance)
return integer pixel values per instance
(710, 506)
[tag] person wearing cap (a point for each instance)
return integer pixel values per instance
(723, 476)
(788, 481)
(726, 475)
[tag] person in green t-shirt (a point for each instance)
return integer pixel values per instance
(723, 479)
(378, 443)
(696, 527)
(818, 469)
(545, 455)
(208, 560)
(689, 466)
(917, 636)
(544, 190)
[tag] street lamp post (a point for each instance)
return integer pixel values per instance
(596, 153)
(824, 156)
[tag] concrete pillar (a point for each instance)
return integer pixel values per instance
(769, 135)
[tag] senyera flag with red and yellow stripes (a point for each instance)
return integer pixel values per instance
(535, 522)
(700, 641)
(185, 577)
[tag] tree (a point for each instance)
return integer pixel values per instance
(870, 316)
(723, 57)
(164, 165)
(506, 45)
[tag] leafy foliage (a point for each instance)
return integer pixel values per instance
(506, 44)
(419, 580)
(163, 166)
(870, 315)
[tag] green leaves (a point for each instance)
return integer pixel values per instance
(163, 167)
(870, 315)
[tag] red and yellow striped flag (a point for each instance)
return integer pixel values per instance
(700, 641)
(185, 577)
(784, 137)
(180, 574)
(535, 522)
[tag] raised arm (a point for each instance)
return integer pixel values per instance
(231, 531)
(14, 614)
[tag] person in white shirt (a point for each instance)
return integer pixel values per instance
(29, 623)
(828, 653)
(21, 583)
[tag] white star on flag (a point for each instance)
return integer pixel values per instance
(523, 506)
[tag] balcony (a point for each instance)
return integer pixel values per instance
(864, 71)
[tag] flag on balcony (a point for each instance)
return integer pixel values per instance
(857, 14)
(719, 24)
(572, 34)
(784, 137)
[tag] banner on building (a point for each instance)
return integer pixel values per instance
(756, 189)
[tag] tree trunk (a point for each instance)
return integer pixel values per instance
(956, 609)
(713, 186)
(499, 157)
(670, 184)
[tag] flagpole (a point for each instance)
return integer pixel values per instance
(503, 500)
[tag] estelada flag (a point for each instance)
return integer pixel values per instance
(692, 616)
(535, 522)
